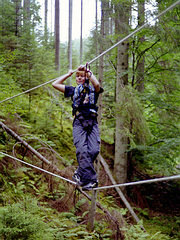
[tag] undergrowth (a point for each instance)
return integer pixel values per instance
(28, 199)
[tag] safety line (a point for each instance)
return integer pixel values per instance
(99, 188)
(137, 30)
(41, 169)
(29, 90)
(103, 53)
(139, 182)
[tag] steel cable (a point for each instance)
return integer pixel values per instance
(103, 53)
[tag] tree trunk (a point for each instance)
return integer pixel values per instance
(27, 15)
(121, 27)
(45, 20)
(57, 36)
(70, 39)
(81, 38)
(101, 61)
(106, 6)
(96, 35)
(111, 19)
(18, 17)
(140, 63)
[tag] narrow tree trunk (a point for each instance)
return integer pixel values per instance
(81, 37)
(140, 63)
(52, 9)
(106, 17)
(101, 62)
(120, 162)
(96, 35)
(57, 36)
(70, 38)
(45, 20)
(111, 24)
(27, 15)
(18, 18)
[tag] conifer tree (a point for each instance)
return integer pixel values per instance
(70, 37)
(57, 36)
(122, 10)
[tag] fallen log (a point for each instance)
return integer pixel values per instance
(120, 193)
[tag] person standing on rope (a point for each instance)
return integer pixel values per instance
(85, 127)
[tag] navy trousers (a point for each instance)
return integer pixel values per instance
(87, 142)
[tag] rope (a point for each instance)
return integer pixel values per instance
(103, 53)
(139, 182)
(29, 90)
(137, 30)
(42, 170)
(99, 188)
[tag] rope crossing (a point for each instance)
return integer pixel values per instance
(103, 53)
(103, 187)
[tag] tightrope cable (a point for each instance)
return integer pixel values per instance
(140, 182)
(41, 169)
(103, 53)
(103, 187)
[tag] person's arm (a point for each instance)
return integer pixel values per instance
(94, 81)
(58, 84)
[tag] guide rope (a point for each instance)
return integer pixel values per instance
(41, 169)
(140, 182)
(103, 53)
(134, 32)
(103, 187)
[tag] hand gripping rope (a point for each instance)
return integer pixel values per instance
(103, 53)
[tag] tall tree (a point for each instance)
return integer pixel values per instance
(45, 20)
(81, 33)
(101, 59)
(27, 13)
(57, 36)
(106, 6)
(141, 59)
(96, 33)
(18, 17)
(70, 37)
(121, 26)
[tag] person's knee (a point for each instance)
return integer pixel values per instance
(81, 153)
(94, 153)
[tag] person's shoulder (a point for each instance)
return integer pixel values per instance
(69, 91)
(68, 88)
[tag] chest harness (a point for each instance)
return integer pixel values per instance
(84, 99)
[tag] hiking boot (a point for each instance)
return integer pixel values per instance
(89, 186)
(77, 179)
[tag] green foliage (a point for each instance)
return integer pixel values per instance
(151, 121)
(163, 226)
(19, 221)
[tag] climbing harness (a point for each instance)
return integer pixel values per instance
(84, 95)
